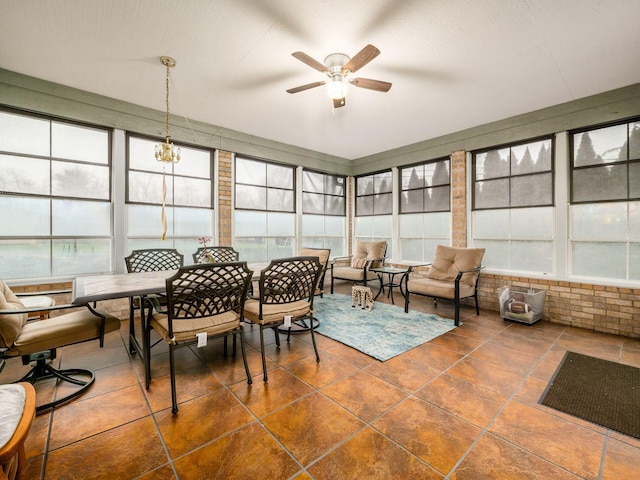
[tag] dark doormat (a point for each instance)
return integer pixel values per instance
(596, 390)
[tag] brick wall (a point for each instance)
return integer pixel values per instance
(459, 199)
(225, 192)
(594, 307)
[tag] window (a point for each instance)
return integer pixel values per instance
(374, 194)
(513, 214)
(264, 210)
(324, 198)
(604, 216)
(55, 197)
(425, 218)
(188, 200)
(374, 207)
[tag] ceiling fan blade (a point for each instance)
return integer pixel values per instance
(305, 87)
(304, 58)
(377, 85)
(361, 58)
(338, 102)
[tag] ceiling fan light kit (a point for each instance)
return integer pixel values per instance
(337, 88)
(338, 67)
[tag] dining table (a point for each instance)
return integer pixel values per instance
(94, 288)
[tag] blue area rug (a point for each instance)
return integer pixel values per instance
(383, 333)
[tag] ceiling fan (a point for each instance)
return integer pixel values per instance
(339, 67)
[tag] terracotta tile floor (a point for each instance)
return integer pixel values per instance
(463, 406)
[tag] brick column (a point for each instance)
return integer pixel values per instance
(459, 195)
(224, 192)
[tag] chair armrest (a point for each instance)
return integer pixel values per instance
(155, 304)
(371, 260)
(422, 265)
(471, 270)
(333, 260)
(43, 309)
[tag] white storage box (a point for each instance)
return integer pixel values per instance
(520, 304)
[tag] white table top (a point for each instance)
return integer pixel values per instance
(93, 288)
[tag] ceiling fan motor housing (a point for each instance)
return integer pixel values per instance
(335, 62)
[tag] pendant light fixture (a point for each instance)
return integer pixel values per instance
(166, 152)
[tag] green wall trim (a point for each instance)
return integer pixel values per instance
(605, 107)
(36, 95)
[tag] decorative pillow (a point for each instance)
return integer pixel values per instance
(372, 251)
(358, 262)
(10, 325)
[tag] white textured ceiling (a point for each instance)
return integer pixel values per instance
(454, 64)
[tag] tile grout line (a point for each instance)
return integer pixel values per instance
(485, 430)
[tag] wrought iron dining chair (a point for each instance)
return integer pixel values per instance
(323, 257)
(286, 291)
(203, 301)
(367, 255)
(36, 341)
(148, 260)
(215, 254)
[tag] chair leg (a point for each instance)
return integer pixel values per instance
(264, 357)
(456, 321)
(233, 348)
(132, 327)
(332, 282)
(146, 347)
(475, 296)
(313, 340)
(172, 371)
(406, 303)
(275, 332)
(244, 355)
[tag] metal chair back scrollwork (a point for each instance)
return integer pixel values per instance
(148, 260)
(216, 255)
(154, 260)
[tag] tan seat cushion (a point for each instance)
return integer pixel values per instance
(10, 324)
(355, 274)
(274, 313)
(186, 330)
(439, 288)
(67, 329)
(449, 261)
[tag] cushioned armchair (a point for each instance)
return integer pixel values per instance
(367, 255)
(453, 275)
(37, 340)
